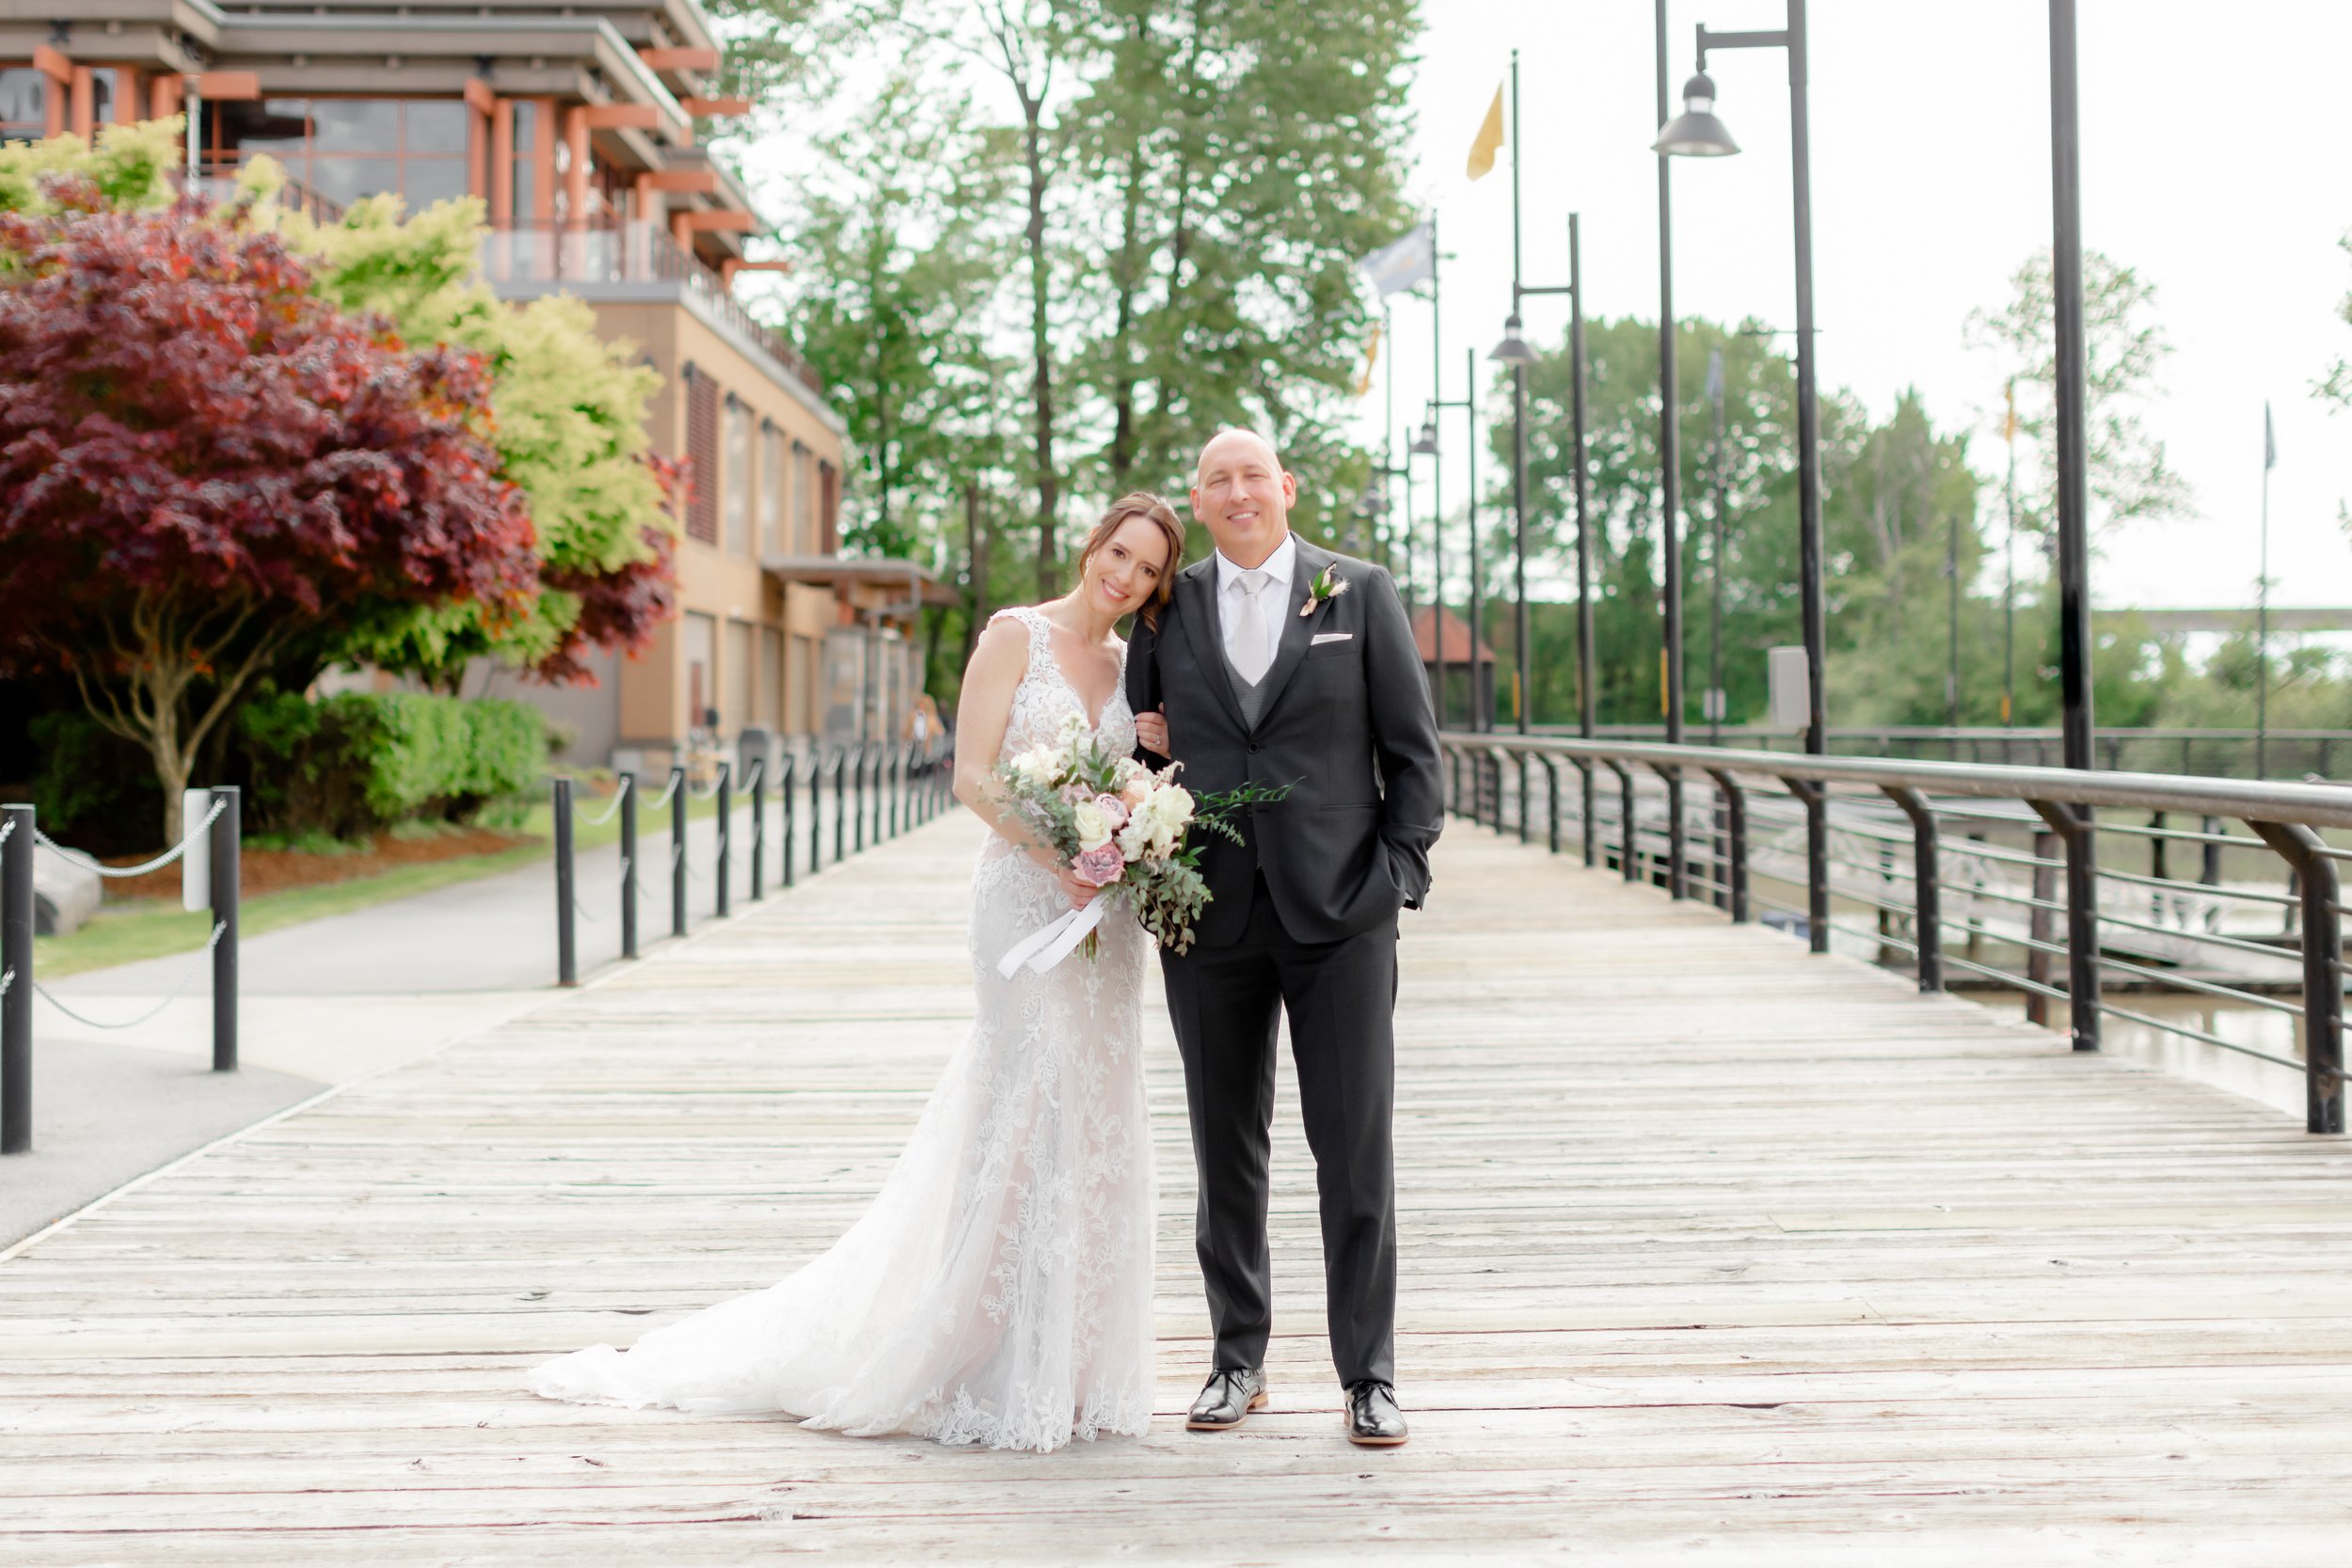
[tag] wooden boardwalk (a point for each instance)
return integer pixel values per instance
(1714, 1252)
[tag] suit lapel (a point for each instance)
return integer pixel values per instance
(1298, 630)
(1196, 605)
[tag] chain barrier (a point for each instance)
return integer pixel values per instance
(186, 978)
(667, 790)
(112, 871)
(614, 809)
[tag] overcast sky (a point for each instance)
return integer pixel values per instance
(2213, 162)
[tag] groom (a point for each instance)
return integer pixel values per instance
(1282, 663)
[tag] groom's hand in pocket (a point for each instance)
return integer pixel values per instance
(1151, 732)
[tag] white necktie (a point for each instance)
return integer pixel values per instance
(1247, 647)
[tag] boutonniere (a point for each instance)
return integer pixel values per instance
(1328, 585)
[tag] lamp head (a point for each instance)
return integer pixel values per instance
(1513, 350)
(1426, 444)
(1695, 133)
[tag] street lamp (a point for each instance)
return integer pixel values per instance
(1426, 444)
(1482, 714)
(1670, 474)
(1696, 133)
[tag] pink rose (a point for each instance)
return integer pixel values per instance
(1114, 810)
(1100, 867)
(1138, 788)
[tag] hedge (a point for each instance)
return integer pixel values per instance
(355, 764)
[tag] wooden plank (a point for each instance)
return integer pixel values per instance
(1710, 1252)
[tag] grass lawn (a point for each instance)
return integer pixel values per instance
(140, 928)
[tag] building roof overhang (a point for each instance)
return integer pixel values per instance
(857, 569)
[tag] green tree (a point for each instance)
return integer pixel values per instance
(2124, 348)
(899, 252)
(570, 409)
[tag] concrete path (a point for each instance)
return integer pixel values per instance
(321, 1003)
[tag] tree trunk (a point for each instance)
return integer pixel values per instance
(1123, 375)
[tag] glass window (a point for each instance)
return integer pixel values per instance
(435, 125)
(771, 489)
(106, 91)
(278, 126)
(803, 500)
(735, 499)
(426, 180)
(354, 124)
(23, 104)
(344, 181)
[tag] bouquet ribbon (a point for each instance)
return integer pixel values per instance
(1042, 949)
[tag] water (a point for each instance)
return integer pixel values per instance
(2280, 1034)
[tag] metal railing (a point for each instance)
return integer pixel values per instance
(637, 251)
(2201, 752)
(212, 878)
(883, 790)
(2014, 895)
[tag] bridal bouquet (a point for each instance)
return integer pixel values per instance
(1120, 827)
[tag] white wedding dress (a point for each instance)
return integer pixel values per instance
(998, 1292)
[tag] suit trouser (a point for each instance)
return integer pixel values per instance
(1340, 997)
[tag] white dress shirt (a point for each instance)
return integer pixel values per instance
(1273, 599)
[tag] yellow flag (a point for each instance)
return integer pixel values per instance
(1371, 357)
(1482, 158)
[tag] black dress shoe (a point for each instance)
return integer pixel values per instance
(1373, 1422)
(1227, 1399)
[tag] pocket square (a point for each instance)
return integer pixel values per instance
(1322, 636)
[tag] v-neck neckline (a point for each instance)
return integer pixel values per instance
(1062, 673)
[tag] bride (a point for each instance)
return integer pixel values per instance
(998, 1292)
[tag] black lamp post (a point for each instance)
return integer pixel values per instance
(1669, 483)
(1696, 133)
(1514, 351)
(1425, 445)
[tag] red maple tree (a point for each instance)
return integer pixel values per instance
(202, 463)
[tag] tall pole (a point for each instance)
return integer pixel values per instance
(1715, 556)
(2261, 621)
(1670, 461)
(1437, 485)
(1809, 488)
(1587, 666)
(1482, 710)
(1951, 573)
(1522, 662)
(2009, 549)
(1587, 663)
(2074, 466)
(1388, 437)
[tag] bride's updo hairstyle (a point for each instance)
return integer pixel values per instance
(1141, 503)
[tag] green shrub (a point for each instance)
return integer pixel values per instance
(357, 763)
(92, 788)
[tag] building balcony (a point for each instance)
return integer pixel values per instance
(616, 260)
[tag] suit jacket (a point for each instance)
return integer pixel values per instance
(1345, 721)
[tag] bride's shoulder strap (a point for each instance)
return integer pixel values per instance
(1029, 616)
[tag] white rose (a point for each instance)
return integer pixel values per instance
(1134, 841)
(1094, 829)
(1037, 767)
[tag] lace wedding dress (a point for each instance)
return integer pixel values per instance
(998, 1292)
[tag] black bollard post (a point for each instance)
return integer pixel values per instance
(857, 799)
(629, 865)
(816, 806)
(727, 833)
(678, 851)
(757, 785)
(227, 837)
(16, 980)
(785, 823)
(841, 806)
(566, 936)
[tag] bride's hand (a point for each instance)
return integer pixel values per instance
(1151, 733)
(1080, 892)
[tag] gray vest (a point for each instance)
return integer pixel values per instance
(1250, 694)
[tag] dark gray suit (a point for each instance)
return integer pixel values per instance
(1301, 920)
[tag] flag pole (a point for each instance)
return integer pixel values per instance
(2261, 612)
